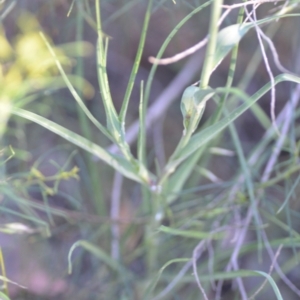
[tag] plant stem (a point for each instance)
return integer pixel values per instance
(206, 72)
(136, 64)
(97, 192)
(3, 272)
(212, 41)
(151, 238)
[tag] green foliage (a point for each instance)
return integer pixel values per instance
(192, 107)
(179, 218)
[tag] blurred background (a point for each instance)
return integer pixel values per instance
(54, 194)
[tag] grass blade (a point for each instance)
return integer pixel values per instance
(165, 45)
(136, 63)
(115, 127)
(118, 163)
(190, 233)
(99, 253)
(73, 91)
(209, 133)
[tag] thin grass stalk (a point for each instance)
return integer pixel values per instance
(74, 92)
(87, 15)
(201, 138)
(180, 177)
(141, 152)
(280, 177)
(94, 171)
(117, 162)
(164, 46)
(156, 203)
(216, 11)
(176, 182)
(3, 272)
(290, 225)
(101, 59)
(208, 61)
(230, 76)
(211, 46)
(113, 124)
(217, 116)
(115, 215)
(136, 65)
(187, 136)
(155, 280)
(151, 238)
(102, 49)
(248, 180)
(124, 9)
(206, 72)
(142, 129)
(249, 73)
(256, 59)
(251, 161)
(188, 166)
(112, 119)
(27, 217)
(266, 242)
(133, 131)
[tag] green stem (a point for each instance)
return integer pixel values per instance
(136, 64)
(282, 176)
(213, 32)
(3, 272)
(151, 238)
(164, 46)
(96, 193)
(206, 72)
(113, 124)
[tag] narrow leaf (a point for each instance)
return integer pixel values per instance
(201, 138)
(190, 233)
(227, 38)
(118, 163)
(73, 91)
(99, 253)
